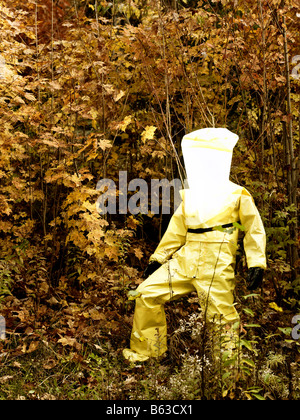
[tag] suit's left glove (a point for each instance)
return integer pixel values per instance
(255, 277)
(151, 267)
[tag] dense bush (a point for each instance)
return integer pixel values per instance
(92, 88)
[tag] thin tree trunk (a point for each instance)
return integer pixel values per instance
(291, 162)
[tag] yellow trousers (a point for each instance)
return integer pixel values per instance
(214, 285)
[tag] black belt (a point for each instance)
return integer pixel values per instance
(200, 230)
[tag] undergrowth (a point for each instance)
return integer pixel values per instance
(265, 365)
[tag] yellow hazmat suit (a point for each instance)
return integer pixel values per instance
(196, 253)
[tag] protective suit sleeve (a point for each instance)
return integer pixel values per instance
(173, 239)
(255, 236)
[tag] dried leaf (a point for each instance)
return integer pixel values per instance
(125, 123)
(119, 95)
(96, 315)
(148, 133)
(67, 341)
(104, 144)
(138, 253)
(50, 364)
(5, 378)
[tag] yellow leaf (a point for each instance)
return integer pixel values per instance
(274, 305)
(124, 124)
(118, 95)
(148, 133)
(112, 252)
(76, 179)
(104, 144)
(224, 393)
(48, 237)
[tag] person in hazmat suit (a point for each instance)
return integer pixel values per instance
(198, 250)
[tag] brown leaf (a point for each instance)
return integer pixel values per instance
(32, 347)
(5, 378)
(96, 315)
(67, 341)
(138, 253)
(50, 364)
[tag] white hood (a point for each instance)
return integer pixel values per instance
(207, 156)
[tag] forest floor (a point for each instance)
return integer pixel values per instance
(69, 347)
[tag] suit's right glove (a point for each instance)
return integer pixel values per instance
(255, 277)
(151, 267)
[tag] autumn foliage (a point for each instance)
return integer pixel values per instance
(91, 88)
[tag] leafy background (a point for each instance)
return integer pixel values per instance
(91, 88)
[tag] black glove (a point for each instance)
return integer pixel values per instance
(151, 267)
(255, 277)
